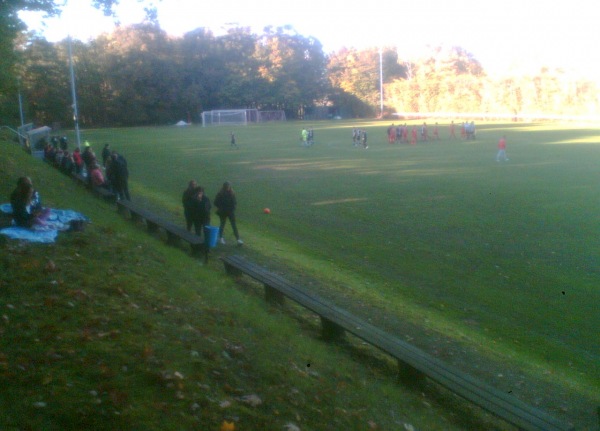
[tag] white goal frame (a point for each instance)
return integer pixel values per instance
(229, 117)
(264, 116)
(239, 117)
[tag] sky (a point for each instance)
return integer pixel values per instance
(506, 36)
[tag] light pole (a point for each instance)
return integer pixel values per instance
(21, 105)
(74, 95)
(380, 83)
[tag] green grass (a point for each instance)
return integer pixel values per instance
(512, 246)
(501, 258)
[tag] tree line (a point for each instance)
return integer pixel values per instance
(138, 75)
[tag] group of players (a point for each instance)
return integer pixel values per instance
(407, 135)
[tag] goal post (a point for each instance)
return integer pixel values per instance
(264, 116)
(229, 117)
(239, 117)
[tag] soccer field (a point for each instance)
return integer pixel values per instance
(498, 255)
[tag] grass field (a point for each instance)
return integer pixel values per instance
(500, 259)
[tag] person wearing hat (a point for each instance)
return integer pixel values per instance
(226, 202)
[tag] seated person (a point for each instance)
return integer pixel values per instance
(67, 164)
(97, 177)
(26, 205)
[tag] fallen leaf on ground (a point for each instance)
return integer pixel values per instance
(252, 400)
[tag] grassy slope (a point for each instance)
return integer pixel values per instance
(122, 332)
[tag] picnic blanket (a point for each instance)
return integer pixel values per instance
(58, 220)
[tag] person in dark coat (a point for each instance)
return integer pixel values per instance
(186, 199)
(226, 202)
(120, 176)
(199, 208)
(89, 158)
(105, 154)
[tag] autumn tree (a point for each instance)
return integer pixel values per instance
(294, 67)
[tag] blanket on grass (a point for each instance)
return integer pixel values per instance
(58, 220)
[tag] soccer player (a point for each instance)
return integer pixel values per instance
(405, 133)
(502, 149)
(452, 133)
(413, 137)
(436, 133)
(233, 144)
(304, 137)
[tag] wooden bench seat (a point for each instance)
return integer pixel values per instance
(104, 193)
(414, 363)
(80, 179)
(175, 233)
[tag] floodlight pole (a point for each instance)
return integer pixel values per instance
(21, 106)
(74, 95)
(380, 82)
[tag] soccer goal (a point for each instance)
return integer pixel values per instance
(264, 116)
(229, 117)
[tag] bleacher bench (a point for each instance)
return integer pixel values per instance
(80, 179)
(174, 232)
(100, 192)
(414, 364)
(104, 193)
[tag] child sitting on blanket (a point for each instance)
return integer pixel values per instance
(26, 205)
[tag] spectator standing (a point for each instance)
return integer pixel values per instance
(226, 203)
(200, 207)
(186, 200)
(120, 176)
(105, 154)
(88, 156)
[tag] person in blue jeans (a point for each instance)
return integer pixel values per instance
(226, 202)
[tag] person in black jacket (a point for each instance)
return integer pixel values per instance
(120, 176)
(186, 200)
(226, 202)
(199, 210)
(105, 154)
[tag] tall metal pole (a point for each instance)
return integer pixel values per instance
(21, 107)
(380, 82)
(74, 95)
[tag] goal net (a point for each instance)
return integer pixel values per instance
(239, 117)
(229, 117)
(264, 116)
